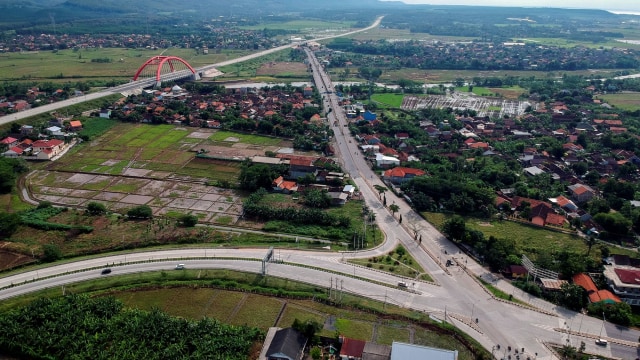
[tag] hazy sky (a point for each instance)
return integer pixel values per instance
(629, 5)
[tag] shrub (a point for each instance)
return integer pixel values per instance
(96, 208)
(140, 212)
(188, 220)
(51, 253)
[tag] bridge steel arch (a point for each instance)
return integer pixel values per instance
(159, 61)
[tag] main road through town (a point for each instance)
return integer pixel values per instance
(455, 297)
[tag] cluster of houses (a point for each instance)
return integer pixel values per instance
(253, 104)
(315, 167)
(289, 344)
(48, 144)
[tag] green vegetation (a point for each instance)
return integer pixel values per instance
(78, 326)
(388, 100)
(624, 101)
(63, 65)
(499, 293)
(530, 239)
(303, 25)
(398, 261)
(95, 127)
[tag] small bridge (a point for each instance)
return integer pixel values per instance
(166, 68)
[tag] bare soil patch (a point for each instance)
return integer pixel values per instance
(231, 152)
(10, 259)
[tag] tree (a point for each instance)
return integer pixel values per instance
(454, 228)
(51, 253)
(317, 199)
(394, 208)
(590, 240)
(140, 212)
(571, 296)
(380, 189)
(188, 220)
(255, 176)
(9, 223)
(316, 353)
(96, 208)
(570, 263)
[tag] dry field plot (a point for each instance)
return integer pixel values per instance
(493, 107)
(152, 165)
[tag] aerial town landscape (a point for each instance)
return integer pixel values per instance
(354, 179)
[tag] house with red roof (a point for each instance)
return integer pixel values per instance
(9, 142)
(399, 174)
(284, 186)
(75, 125)
(581, 193)
(595, 296)
(14, 152)
(351, 349)
(46, 149)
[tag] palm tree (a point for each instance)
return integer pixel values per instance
(394, 209)
(590, 242)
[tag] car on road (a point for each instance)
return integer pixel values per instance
(402, 284)
(179, 266)
(602, 342)
(106, 271)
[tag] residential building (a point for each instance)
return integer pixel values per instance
(623, 277)
(398, 175)
(9, 142)
(595, 296)
(581, 193)
(286, 344)
(351, 349)
(386, 161)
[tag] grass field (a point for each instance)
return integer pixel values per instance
(388, 100)
(626, 101)
(530, 240)
(449, 76)
(404, 265)
(305, 26)
(65, 64)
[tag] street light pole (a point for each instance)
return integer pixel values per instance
(602, 327)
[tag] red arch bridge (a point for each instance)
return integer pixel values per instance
(165, 68)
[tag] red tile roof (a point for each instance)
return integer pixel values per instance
(75, 123)
(585, 282)
(628, 276)
(402, 172)
(47, 143)
(352, 347)
(8, 140)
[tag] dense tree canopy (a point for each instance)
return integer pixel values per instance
(79, 327)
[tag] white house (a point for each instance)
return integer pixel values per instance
(386, 161)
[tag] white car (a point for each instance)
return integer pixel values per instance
(179, 266)
(602, 342)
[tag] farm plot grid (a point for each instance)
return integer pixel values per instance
(492, 107)
(119, 193)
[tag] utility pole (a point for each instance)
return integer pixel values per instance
(330, 288)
